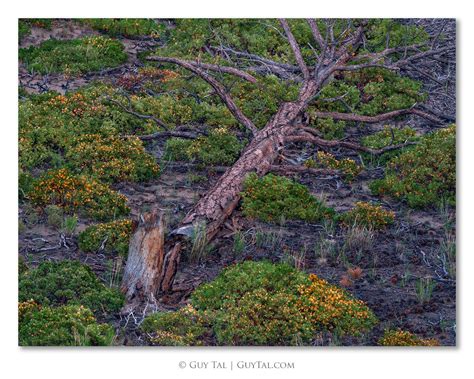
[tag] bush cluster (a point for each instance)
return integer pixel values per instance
(113, 237)
(67, 283)
(50, 123)
(424, 175)
(76, 193)
(73, 56)
(69, 325)
(260, 303)
(369, 215)
(404, 338)
(273, 197)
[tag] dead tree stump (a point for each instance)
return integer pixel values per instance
(148, 268)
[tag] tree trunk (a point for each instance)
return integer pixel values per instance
(144, 274)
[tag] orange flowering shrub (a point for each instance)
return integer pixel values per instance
(373, 216)
(77, 105)
(74, 193)
(404, 338)
(112, 159)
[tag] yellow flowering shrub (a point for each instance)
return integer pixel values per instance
(332, 308)
(78, 193)
(373, 216)
(404, 338)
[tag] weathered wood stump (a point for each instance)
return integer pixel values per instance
(149, 271)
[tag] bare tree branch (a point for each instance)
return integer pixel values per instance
(222, 69)
(378, 118)
(316, 33)
(296, 48)
(218, 87)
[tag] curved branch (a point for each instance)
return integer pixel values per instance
(218, 87)
(217, 68)
(296, 48)
(306, 137)
(138, 115)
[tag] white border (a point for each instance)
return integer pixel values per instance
(160, 362)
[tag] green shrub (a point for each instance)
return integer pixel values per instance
(71, 325)
(369, 215)
(111, 159)
(112, 237)
(129, 27)
(274, 197)
(185, 327)
(425, 174)
(242, 278)
(386, 137)
(220, 147)
(78, 193)
(329, 128)
(68, 283)
(73, 56)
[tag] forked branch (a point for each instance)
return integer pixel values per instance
(218, 88)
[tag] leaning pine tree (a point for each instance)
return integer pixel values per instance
(330, 61)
